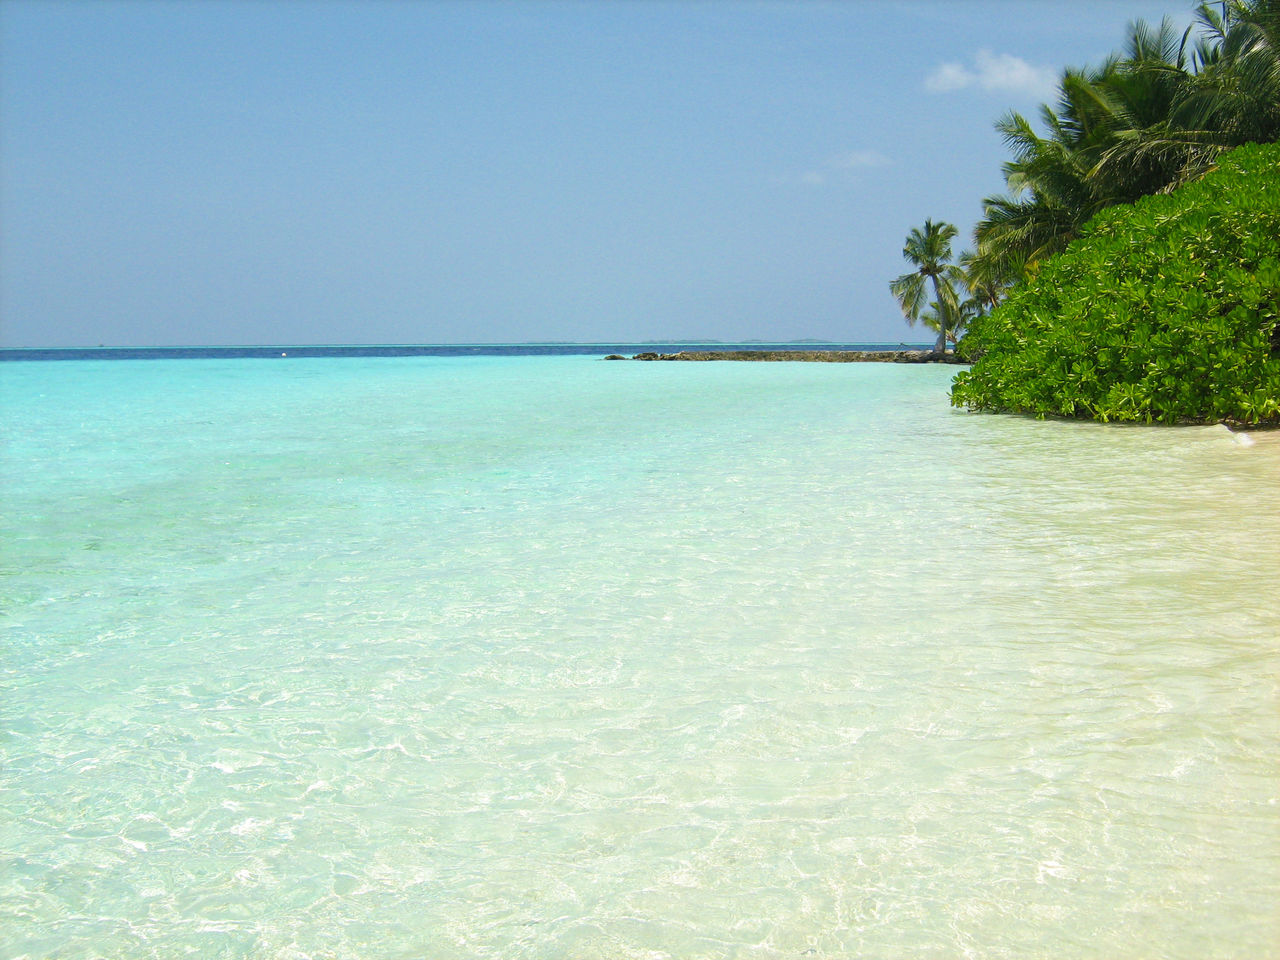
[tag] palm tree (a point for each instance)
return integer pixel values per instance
(988, 277)
(1050, 197)
(956, 323)
(1238, 77)
(1151, 142)
(929, 251)
(1108, 139)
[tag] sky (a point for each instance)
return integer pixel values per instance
(489, 171)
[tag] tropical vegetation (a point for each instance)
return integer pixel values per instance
(929, 251)
(1146, 121)
(1164, 310)
(1120, 277)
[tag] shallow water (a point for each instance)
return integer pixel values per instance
(555, 658)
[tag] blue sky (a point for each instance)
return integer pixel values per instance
(405, 171)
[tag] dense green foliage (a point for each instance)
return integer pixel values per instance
(1167, 309)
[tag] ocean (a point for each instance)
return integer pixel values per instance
(539, 656)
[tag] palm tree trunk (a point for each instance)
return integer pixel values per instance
(943, 317)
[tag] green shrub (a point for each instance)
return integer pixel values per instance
(1167, 309)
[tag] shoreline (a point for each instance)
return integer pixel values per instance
(806, 356)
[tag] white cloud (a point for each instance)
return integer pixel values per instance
(992, 72)
(948, 77)
(1007, 72)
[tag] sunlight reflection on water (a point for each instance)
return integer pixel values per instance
(555, 658)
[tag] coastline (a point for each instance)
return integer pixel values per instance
(807, 356)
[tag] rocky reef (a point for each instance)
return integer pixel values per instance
(809, 356)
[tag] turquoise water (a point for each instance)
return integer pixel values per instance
(555, 658)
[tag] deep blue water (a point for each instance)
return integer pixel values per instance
(557, 348)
